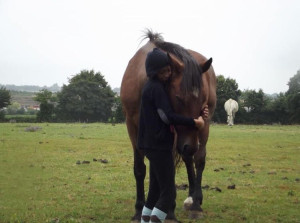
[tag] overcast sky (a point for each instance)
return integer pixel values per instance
(42, 42)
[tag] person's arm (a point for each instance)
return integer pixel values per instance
(166, 112)
(168, 116)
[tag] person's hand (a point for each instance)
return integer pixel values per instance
(205, 112)
(199, 122)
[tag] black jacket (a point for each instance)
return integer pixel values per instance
(156, 116)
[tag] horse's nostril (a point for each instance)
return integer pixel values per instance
(189, 150)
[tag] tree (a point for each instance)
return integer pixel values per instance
(293, 98)
(255, 107)
(118, 115)
(47, 100)
(87, 98)
(278, 109)
(13, 108)
(226, 88)
(253, 100)
(5, 98)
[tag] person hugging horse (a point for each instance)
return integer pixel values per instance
(156, 139)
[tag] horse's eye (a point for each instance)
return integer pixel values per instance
(180, 100)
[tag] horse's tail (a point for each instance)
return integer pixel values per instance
(152, 36)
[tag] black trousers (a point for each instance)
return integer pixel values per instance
(162, 191)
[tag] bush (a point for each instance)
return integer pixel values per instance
(20, 118)
(2, 115)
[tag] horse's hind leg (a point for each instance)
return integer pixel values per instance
(171, 218)
(139, 169)
(139, 173)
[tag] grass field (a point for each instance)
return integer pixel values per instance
(41, 182)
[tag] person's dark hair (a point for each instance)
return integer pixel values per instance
(155, 61)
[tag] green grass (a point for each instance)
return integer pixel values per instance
(41, 182)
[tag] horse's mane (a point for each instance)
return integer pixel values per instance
(191, 80)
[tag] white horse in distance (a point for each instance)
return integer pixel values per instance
(231, 107)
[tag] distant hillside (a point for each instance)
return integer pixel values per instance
(24, 94)
(25, 99)
(273, 96)
(35, 88)
(116, 90)
(31, 88)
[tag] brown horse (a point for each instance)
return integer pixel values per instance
(191, 88)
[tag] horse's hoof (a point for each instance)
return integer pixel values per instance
(171, 218)
(196, 215)
(187, 203)
(187, 207)
(136, 218)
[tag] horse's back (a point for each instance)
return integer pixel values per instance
(131, 90)
(134, 79)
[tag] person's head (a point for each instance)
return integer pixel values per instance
(158, 65)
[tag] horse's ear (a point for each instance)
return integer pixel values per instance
(176, 63)
(206, 65)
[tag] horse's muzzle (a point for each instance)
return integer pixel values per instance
(188, 150)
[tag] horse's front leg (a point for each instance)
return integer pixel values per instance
(189, 164)
(194, 201)
(195, 209)
(199, 160)
(139, 173)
